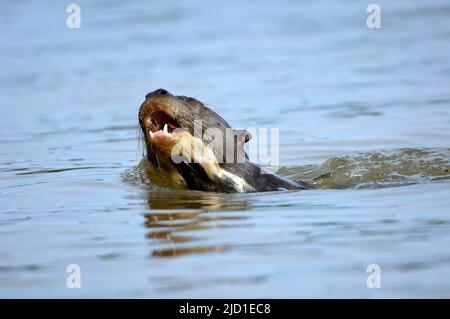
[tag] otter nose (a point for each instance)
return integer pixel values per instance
(159, 92)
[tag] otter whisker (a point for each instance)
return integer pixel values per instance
(141, 143)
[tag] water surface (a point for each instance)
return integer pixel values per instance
(364, 114)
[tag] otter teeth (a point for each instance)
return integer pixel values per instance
(151, 133)
(165, 129)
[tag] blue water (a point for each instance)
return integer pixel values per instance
(339, 93)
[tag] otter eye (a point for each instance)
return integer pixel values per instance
(190, 99)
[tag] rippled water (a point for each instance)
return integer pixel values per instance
(363, 114)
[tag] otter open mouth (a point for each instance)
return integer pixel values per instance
(158, 128)
(160, 121)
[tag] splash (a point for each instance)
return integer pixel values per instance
(377, 169)
(363, 170)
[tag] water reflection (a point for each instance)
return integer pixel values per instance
(196, 200)
(174, 216)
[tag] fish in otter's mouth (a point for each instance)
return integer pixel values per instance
(184, 154)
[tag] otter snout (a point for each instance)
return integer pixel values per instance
(157, 93)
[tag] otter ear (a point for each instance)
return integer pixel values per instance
(243, 136)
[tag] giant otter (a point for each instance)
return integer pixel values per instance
(180, 158)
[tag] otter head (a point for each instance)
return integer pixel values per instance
(191, 144)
